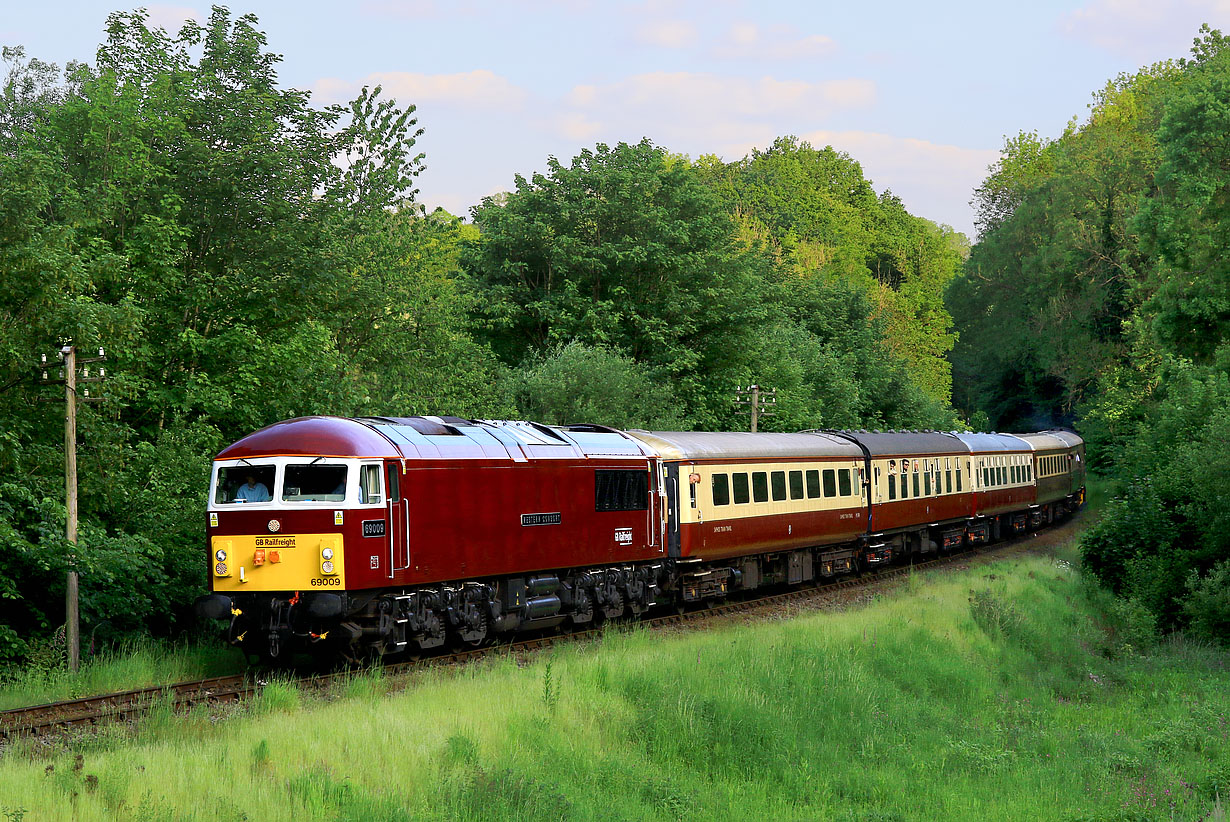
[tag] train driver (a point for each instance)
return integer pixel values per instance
(252, 491)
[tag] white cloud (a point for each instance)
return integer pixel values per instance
(698, 112)
(670, 34)
(746, 40)
(1144, 30)
(478, 89)
(171, 18)
(934, 180)
(713, 96)
(420, 9)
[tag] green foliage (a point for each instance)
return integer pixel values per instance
(580, 383)
(1208, 603)
(622, 248)
(1098, 288)
(243, 257)
(818, 216)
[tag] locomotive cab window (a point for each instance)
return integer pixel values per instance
(244, 483)
(369, 484)
(314, 483)
(621, 490)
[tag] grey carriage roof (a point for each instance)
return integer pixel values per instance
(907, 443)
(1052, 440)
(701, 445)
(984, 443)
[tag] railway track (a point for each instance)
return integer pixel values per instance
(128, 705)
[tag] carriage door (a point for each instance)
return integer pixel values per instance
(399, 521)
(656, 511)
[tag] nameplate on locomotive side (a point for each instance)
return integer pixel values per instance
(541, 519)
(373, 528)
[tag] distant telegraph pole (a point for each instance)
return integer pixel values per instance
(67, 356)
(758, 400)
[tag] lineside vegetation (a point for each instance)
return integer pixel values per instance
(1012, 690)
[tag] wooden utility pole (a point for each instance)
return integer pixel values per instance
(758, 400)
(72, 624)
(68, 355)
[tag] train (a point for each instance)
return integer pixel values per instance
(357, 538)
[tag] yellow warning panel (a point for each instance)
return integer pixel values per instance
(281, 562)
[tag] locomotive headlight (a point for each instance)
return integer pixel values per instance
(326, 553)
(220, 555)
(327, 565)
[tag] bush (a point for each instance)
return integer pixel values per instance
(1207, 604)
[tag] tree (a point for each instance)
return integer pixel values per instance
(623, 248)
(580, 383)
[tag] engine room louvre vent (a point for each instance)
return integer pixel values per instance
(432, 426)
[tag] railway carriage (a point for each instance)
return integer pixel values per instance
(376, 535)
(756, 505)
(1003, 483)
(920, 491)
(1059, 471)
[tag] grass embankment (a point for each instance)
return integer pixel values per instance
(1009, 691)
(128, 667)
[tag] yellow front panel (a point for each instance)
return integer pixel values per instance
(298, 570)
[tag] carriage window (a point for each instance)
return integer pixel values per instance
(796, 485)
(927, 484)
(369, 485)
(739, 482)
(721, 489)
(958, 477)
(830, 483)
(813, 484)
(621, 490)
(244, 484)
(892, 487)
(843, 482)
(778, 480)
(905, 487)
(986, 477)
(314, 483)
(1003, 476)
(760, 487)
(916, 489)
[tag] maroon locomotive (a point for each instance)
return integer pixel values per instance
(380, 535)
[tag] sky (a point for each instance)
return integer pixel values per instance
(921, 94)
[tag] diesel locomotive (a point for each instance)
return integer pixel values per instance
(360, 537)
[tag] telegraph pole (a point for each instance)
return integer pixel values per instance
(68, 356)
(758, 400)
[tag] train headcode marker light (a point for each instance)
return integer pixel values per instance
(258, 557)
(275, 556)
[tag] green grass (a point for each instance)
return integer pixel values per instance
(1005, 692)
(133, 665)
